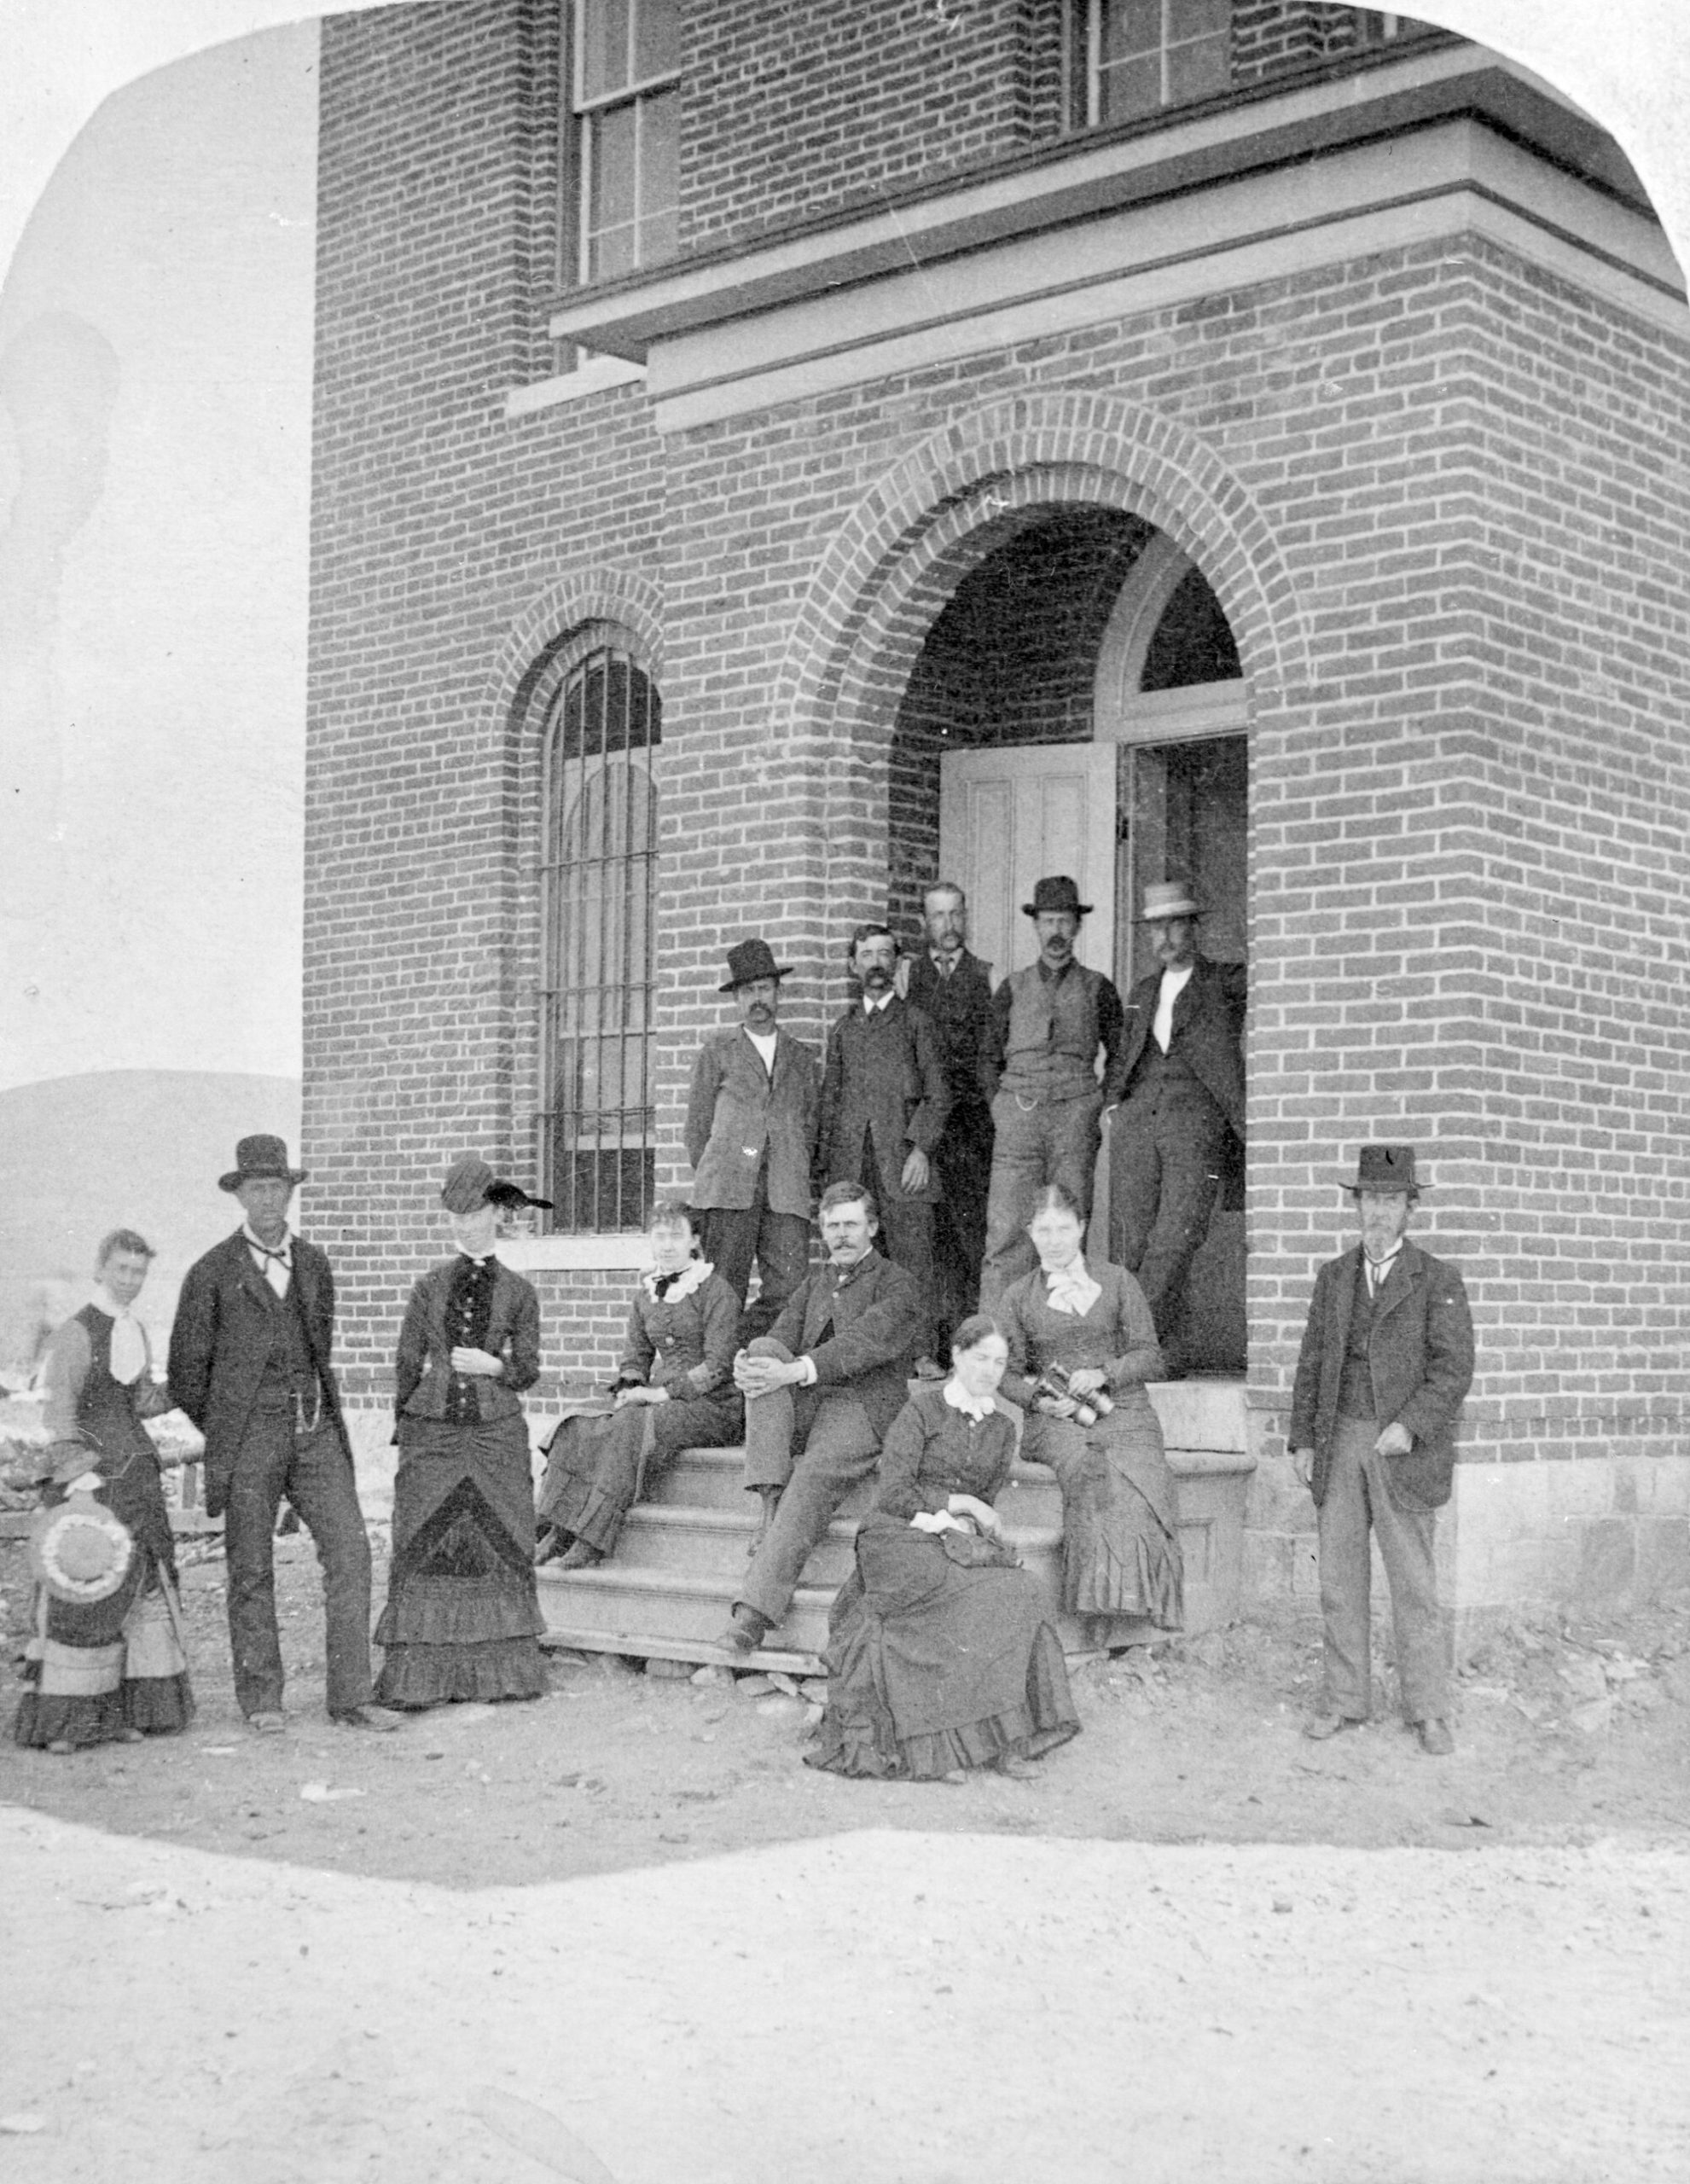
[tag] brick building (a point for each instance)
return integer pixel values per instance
(767, 456)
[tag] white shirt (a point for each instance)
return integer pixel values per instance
(764, 1043)
(129, 1343)
(1378, 1269)
(276, 1264)
(873, 1007)
(1174, 984)
(974, 1407)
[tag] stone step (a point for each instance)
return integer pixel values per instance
(714, 1478)
(711, 1542)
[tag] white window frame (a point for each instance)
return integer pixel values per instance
(584, 111)
(1093, 60)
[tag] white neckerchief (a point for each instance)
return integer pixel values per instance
(764, 1043)
(693, 1277)
(128, 1359)
(274, 1262)
(1071, 1288)
(479, 1258)
(1174, 984)
(1379, 1268)
(873, 1007)
(974, 1407)
(945, 965)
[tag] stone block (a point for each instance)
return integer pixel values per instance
(1663, 1555)
(1267, 1566)
(1663, 1485)
(1582, 1487)
(1305, 1570)
(375, 1460)
(1607, 1562)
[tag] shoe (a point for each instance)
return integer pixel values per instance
(1320, 1727)
(1017, 1768)
(268, 1721)
(1435, 1739)
(581, 1556)
(746, 1632)
(62, 1747)
(367, 1717)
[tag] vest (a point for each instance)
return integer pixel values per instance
(1355, 1381)
(1167, 1080)
(1051, 1047)
(289, 1372)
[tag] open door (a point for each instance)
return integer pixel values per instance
(1011, 816)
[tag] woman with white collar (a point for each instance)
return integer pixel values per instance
(674, 1390)
(941, 1655)
(105, 1661)
(1082, 1346)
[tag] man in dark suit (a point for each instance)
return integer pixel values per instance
(884, 1105)
(751, 1138)
(1387, 1357)
(953, 990)
(249, 1362)
(820, 1389)
(1179, 1133)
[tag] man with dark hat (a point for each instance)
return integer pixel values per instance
(751, 1138)
(249, 1362)
(1387, 1357)
(1179, 1135)
(1050, 1022)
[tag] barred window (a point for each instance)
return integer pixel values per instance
(1141, 55)
(626, 101)
(598, 877)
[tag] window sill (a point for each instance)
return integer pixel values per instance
(573, 1254)
(592, 377)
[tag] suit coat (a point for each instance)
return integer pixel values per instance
(884, 1074)
(423, 1367)
(735, 1111)
(1420, 1359)
(959, 1009)
(879, 1329)
(221, 1339)
(1208, 1032)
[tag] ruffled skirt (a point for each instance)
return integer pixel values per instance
(597, 1467)
(84, 1686)
(1120, 1537)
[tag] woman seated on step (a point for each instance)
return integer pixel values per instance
(941, 1653)
(674, 1390)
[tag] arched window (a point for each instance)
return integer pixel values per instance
(598, 880)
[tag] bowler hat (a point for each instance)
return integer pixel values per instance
(471, 1184)
(1169, 898)
(80, 1550)
(258, 1158)
(749, 960)
(1386, 1168)
(1058, 893)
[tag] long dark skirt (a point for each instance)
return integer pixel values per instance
(934, 1665)
(463, 1618)
(598, 1467)
(1120, 1537)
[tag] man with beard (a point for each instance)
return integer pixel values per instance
(1179, 1132)
(884, 1105)
(751, 1138)
(1387, 1357)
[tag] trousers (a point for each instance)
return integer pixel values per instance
(735, 1235)
(315, 1472)
(1034, 1142)
(815, 1445)
(1357, 1498)
(1165, 1175)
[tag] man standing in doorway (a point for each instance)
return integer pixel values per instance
(1179, 1132)
(953, 990)
(1387, 1357)
(249, 1362)
(1050, 1022)
(751, 1138)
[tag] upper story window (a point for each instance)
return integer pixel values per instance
(626, 99)
(1141, 55)
(599, 889)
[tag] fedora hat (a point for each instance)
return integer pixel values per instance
(1387, 1168)
(471, 1184)
(1169, 898)
(750, 960)
(1057, 893)
(80, 1550)
(257, 1157)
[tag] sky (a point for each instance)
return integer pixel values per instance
(156, 226)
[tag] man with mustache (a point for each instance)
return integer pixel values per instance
(884, 1103)
(751, 1138)
(1179, 1132)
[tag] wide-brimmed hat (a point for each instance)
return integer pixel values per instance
(256, 1158)
(1057, 893)
(750, 960)
(471, 1184)
(80, 1551)
(1169, 898)
(1386, 1168)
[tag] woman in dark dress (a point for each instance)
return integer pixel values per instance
(674, 1390)
(111, 1668)
(941, 1655)
(1078, 1329)
(462, 1619)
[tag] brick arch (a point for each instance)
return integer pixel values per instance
(533, 640)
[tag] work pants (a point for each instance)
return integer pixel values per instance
(735, 1235)
(1034, 1141)
(1357, 1496)
(1164, 1175)
(815, 1445)
(964, 1164)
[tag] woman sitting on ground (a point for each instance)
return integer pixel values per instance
(941, 1655)
(105, 1662)
(1082, 1345)
(674, 1390)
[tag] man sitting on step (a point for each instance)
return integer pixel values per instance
(820, 1389)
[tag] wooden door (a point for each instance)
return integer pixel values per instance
(1009, 817)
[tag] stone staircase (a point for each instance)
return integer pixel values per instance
(668, 1589)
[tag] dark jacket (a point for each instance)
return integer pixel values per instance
(221, 1337)
(879, 1329)
(1420, 1356)
(884, 1073)
(668, 1336)
(735, 1113)
(422, 1369)
(958, 1008)
(1208, 1032)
